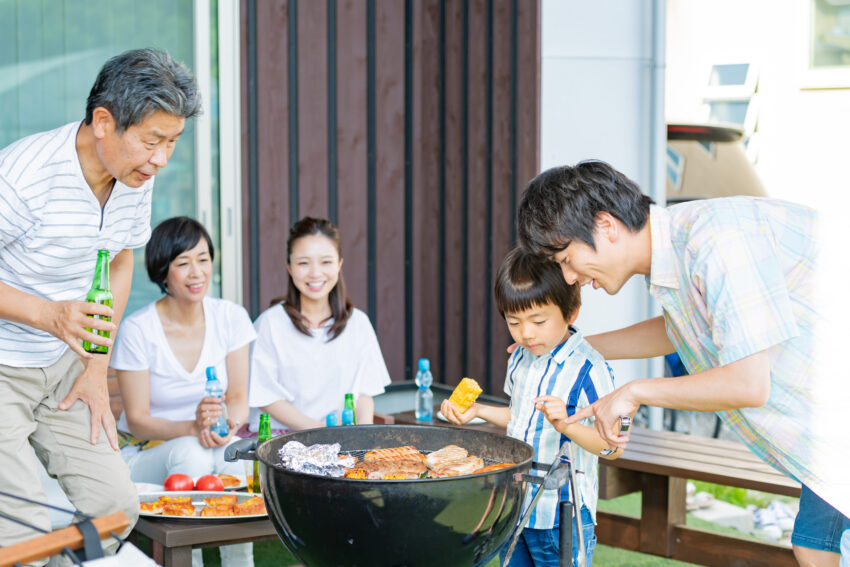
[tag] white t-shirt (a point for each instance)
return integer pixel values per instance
(312, 373)
(51, 227)
(174, 392)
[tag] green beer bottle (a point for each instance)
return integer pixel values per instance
(100, 293)
(264, 433)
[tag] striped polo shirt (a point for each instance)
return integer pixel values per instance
(737, 276)
(51, 227)
(576, 373)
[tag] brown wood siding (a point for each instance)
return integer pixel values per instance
(312, 109)
(424, 193)
(351, 147)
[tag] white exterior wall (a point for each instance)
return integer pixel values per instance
(596, 104)
(804, 116)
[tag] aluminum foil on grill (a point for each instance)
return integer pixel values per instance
(317, 459)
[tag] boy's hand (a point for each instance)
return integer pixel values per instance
(451, 413)
(554, 408)
(607, 411)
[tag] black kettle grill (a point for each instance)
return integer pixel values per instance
(434, 522)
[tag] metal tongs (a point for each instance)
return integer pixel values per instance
(559, 473)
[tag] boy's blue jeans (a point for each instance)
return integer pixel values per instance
(539, 548)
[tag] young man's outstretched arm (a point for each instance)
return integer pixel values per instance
(739, 384)
(641, 340)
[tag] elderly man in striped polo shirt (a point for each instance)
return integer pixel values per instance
(744, 292)
(64, 194)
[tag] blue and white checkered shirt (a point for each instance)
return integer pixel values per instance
(576, 373)
(741, 275)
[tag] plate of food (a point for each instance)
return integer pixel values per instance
(202, 505)
(473, 421)
(232, 482)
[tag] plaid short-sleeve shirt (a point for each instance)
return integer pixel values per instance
(737, 276)
(576, 373)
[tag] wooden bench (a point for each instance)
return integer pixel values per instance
(659, 463)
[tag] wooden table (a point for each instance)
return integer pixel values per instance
(172, 540)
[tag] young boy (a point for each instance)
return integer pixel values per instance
(552, 373)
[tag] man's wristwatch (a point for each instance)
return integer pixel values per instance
(625, 423)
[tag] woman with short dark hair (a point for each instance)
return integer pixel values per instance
(161, 356)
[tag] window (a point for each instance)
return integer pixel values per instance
(731, 111)
(827, 46)
(830, 36)
(675, 168)
(731, 97)
(50, 54)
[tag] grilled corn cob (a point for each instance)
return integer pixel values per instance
(465, 394)
(395, 477)
(355, 473)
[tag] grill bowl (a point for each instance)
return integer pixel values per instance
(460, 521)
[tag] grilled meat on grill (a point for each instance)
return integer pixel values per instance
(445, 455)
(458, 467)
(377, 469)
(408, 452)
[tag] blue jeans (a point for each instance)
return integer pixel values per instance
(539, 548)
(818, 525)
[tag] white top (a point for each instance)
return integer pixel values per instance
(312, 373)
(142, 345)
(51, 227)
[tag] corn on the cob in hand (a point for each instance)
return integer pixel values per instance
(465, 394)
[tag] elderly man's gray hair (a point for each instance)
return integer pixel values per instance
(137, 83)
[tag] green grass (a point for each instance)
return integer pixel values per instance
(271, 553)
(274, 554)
(740, 496)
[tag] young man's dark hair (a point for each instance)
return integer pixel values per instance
(137, 83)
(525, 281)
(560, 205)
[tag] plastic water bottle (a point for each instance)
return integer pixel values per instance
(424, 396)
(214, 390)
(349, 417)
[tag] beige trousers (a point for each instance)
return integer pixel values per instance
(94, 477)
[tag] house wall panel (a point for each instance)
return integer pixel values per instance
(417, 126)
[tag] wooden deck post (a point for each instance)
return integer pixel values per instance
(662, 508)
